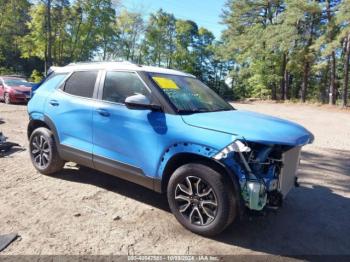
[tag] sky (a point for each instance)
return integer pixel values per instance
(205, 13)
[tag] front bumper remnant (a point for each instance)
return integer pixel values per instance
(266, 172)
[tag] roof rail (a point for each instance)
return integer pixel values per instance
(101, 62)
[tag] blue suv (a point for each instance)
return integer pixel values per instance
(167, 131)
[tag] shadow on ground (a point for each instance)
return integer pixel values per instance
(7, 149)
(114, 184)
(314, 220)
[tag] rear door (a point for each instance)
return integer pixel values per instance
(69, 108)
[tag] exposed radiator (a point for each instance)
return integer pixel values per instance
(289, 169)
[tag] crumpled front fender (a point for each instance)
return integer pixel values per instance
(184, 147)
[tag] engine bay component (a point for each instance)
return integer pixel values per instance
(266, 172)
(254, 194)
(275, 199)
(287, 178)
(236, 146)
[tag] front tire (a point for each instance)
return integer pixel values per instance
(201, 199)
(43, 152)
(7, 98)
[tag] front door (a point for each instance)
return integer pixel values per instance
(126, 141)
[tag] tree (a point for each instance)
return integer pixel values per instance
(76, 32)
(326, 62)
(49, 33)
(92, 26)
(13, 19)
(246, 41)
(277, 49)
(184, 57)
(159, 38)
(343, 20)
(129, 28)
(34, 44)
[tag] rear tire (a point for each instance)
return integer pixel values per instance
(201, 199)
(43, 152)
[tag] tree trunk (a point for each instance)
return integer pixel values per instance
(45, 61)
(332, 87)
(325, 83)
(346, 72)
(305, 82)
(286, 85)
(74, 45)
(283, 75)
(307, 64)
(49, 35)
(274, 91)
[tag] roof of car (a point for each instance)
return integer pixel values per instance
(13, 77)
(119, 66)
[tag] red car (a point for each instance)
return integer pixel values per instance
(14, 89)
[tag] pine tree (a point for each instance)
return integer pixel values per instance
(343, 20)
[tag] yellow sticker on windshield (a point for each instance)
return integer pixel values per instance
(165, 83)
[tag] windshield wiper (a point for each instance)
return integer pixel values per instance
(222, 109)
(192, 111)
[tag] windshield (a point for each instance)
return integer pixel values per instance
(17, 82)
(189, 95)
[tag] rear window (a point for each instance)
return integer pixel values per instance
(51, 82)
(17, 82)
(81, 84)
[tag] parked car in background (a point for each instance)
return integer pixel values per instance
(14, 89)
(167, 131)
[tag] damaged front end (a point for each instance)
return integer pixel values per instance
(266, 173)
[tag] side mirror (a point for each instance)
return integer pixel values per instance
(141, 102)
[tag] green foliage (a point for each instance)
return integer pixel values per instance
(284, 48)
(129, 28)
(13, 17)
(6, 71)
(36, 76)
(159, 38)
(34, 43)
(271, 49)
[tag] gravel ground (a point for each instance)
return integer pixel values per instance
(81, 211)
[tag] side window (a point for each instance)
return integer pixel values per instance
(119, 85)
(81, 83)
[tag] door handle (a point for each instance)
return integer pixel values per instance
(54, 102)
(103, 112)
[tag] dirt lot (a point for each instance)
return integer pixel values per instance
(86, 212)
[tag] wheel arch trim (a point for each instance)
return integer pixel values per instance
(34, 121)
(186, 152)
(183, 148)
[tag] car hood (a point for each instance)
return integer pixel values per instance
(252, 126)
(21, 88)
